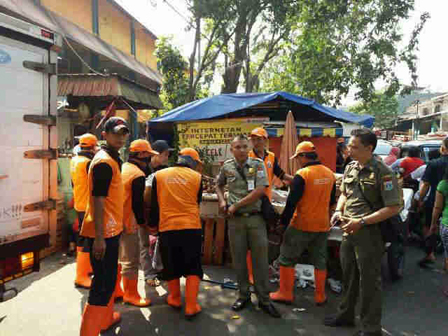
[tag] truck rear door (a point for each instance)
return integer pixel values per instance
(23, 181)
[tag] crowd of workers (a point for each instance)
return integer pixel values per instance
(120, 205)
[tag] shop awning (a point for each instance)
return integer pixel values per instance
(275, 105)
(112, 85)
(308, 132)
(31, 12)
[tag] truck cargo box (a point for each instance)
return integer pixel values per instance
(28, 145)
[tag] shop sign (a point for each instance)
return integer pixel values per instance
(215, 136)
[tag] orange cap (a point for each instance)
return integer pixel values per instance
(88, 140)
(304, 147)
(191, 153)
(259, 132)
(142, 146)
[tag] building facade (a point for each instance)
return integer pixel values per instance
(111, 23)
(427, 116)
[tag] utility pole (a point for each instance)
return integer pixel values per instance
(415, 123)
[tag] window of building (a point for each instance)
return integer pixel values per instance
(437, 109)
(425, 111)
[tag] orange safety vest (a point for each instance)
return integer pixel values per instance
(113, 203)
(177, 195)
(313, 210)
(269, 160)
(129, 173)
(78, 172)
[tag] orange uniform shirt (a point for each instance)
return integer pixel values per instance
(177, 197)
(269, 161)
(78, 172)
(129, 173)
(313, 209)
(113, 205)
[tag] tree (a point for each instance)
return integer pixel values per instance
(319, 49)
(174, 70)
(338, 45)
(211, 27)
(176, 88)
(382, 106)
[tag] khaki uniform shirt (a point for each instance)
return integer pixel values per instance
(378, 183)
(255, 173)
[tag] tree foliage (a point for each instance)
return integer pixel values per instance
(338, 45)
(247, 32)
(176, 89)
(382, 106)
(319, 49)
(174, 70)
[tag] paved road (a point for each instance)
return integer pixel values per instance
(48, 304)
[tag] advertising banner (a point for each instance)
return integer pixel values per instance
(215, 136)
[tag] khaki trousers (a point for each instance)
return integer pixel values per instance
(129, 254)
(250, 233)
(361, 255)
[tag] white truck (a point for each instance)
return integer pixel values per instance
(28, 146)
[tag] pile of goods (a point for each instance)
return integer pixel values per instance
(209, 186)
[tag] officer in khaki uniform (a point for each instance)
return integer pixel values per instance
(362, 245)
(246, 179)
(259, 140)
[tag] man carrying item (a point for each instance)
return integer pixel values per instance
(79, 169)
(259, 138)
(247, 180)
(102, 227)
(434, 173)
(133, 218)
(366, 182)
(313, 192)
(176, 194)
(158, 162)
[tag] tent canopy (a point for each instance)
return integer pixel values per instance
(275, 105)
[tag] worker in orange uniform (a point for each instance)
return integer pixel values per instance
(259, 139)
(313, 193)
(102, 227)
(175, 198)
(133, 175)
(79, 169)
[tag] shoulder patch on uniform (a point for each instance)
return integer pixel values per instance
(388, 185)
(228, 161)
(387, 178)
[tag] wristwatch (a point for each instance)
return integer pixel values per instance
(362, 222)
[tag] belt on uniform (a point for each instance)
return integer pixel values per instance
(247, 214)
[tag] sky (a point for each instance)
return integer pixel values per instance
(169, 17)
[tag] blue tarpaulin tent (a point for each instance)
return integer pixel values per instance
(275, 105)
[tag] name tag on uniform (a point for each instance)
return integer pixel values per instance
(250, 185)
